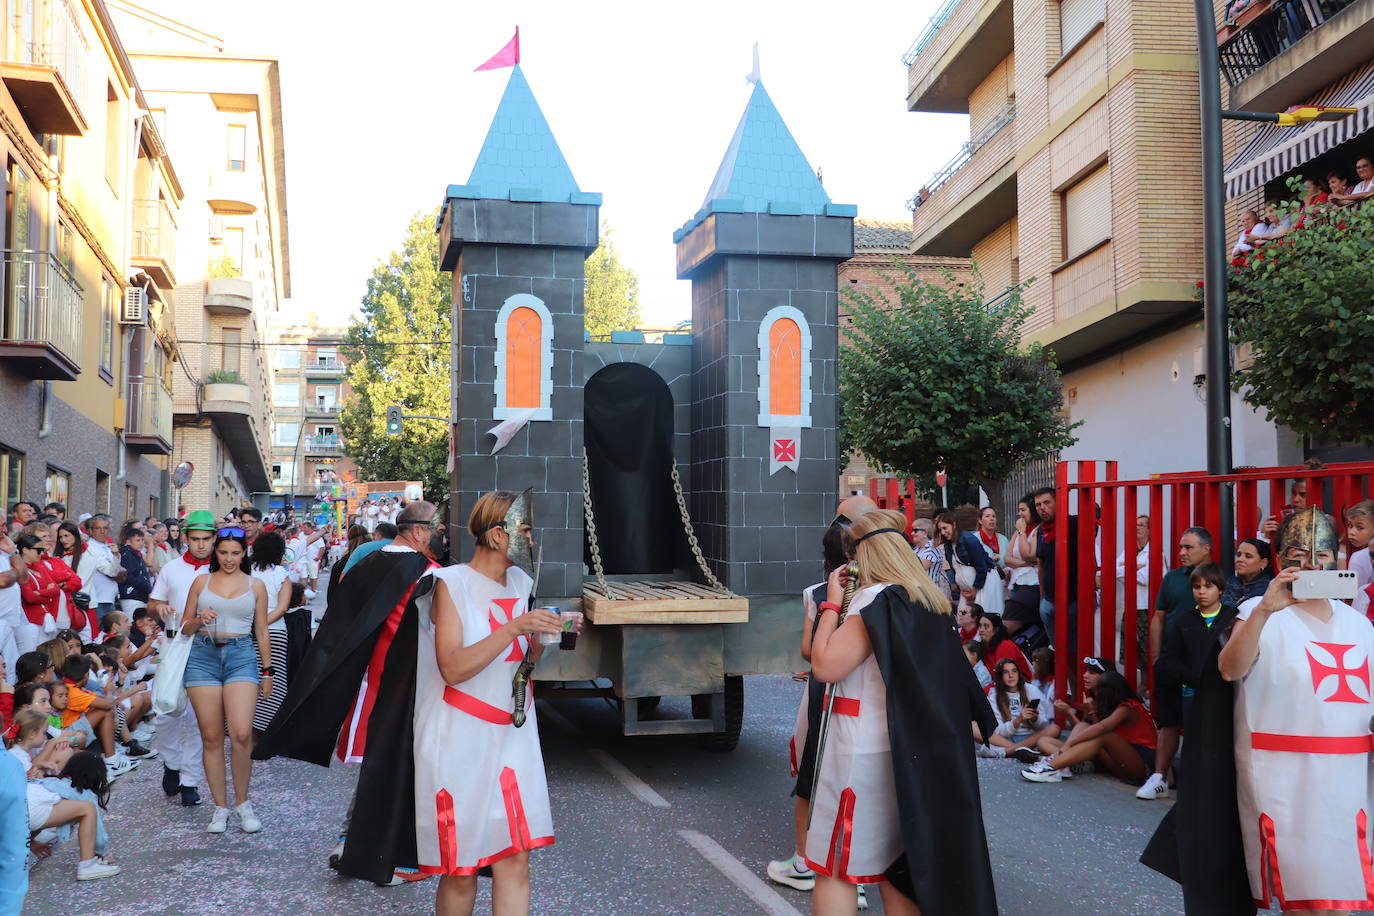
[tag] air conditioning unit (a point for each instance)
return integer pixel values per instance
(135, 310)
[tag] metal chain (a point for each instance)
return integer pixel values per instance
(691, 535)
(591, 528)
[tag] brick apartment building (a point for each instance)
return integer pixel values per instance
(308, 390)
(1082, 172)
(222, 116)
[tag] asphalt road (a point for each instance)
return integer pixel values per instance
(644, 826)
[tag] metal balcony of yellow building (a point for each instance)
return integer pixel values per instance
(44, 67)
(1274, 53)
(155, 241)
(40, 326)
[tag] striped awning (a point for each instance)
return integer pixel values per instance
(1276, 150)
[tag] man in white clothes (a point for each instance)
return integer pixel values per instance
(178, 737)
(13, 573)
(100, 570)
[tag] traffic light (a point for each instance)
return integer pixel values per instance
(393, 420)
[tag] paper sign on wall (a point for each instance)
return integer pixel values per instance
(784, 448)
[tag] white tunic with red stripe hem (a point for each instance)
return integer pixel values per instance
(1303, 762)
(480, 790)
(854, 834)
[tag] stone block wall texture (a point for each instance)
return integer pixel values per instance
(505, 248)
(761, 533)
(74, 444)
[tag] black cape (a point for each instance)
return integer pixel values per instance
(381, 835)
(815, 698)
(1198, 843)
(932, 696)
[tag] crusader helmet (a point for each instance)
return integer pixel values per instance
(519, 525)
(1310, 531)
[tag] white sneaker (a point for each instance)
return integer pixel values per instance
(219, 821)
(1046, 775)
(119, 765)
(793, 873)
(248, 821)
(95, 869)
(145, 732)
(1155, 788)
(863, 898)
(989, 751)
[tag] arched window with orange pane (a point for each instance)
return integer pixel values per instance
(524, 358)
(784, 368)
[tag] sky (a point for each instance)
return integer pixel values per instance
(382, 111)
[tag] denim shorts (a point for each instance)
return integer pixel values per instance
(214, 666)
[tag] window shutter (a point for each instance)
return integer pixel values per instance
(1076, 19)
(1088, 212)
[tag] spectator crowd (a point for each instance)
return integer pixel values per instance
(88, 607)
(1320, 201)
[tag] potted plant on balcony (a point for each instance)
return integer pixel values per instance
(225, 385)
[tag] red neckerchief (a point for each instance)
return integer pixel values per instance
(989, 539)
(1047, 532)
(193, 562)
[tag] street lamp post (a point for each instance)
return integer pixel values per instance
(1217, 334)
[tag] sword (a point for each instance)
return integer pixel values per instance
(520, 683)
(850, 584)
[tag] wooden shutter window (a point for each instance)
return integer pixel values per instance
(1076, 19)
(1088, 212)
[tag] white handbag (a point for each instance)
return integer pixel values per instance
(169, 686)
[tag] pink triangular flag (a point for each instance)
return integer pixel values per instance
(508, 56)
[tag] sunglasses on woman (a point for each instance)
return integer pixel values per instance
(231, 533)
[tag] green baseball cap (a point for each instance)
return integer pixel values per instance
(199, 520)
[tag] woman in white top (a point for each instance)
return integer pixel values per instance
(1023, 714)
(268, 553)
(855, 833)
(1022, 608)
(481, 796)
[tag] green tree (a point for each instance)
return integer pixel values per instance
(611, 301)
(398, 352)
(939, 379)
(1303, 304)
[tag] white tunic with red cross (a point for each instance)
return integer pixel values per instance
(854, 834)
(480, 789)
(1303, 760)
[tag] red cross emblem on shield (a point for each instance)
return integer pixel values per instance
(1345, 677)
(784, 450)
(507, 605)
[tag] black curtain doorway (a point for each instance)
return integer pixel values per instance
(629, 439)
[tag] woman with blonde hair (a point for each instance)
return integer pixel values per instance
(481, 795)
(895, 783)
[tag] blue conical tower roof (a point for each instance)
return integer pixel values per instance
(764, 171)
(520, 159)
(763, 164)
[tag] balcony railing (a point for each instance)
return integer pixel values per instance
(324, 364)
(150, 410)
(46, 34)
(43, 302)
(966, 152)
(155, 236)
(1258, 32)
(317, 444)
(928, 34)
(319, 406)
